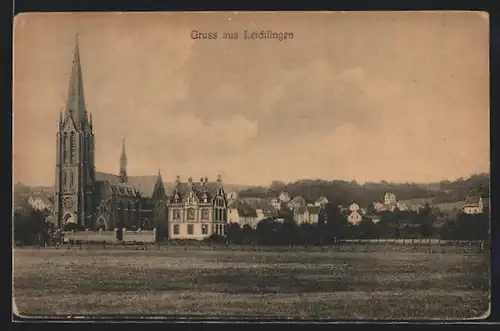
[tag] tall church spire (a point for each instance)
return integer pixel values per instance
(76, 101)
(123, 163)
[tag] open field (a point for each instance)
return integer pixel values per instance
(384, 282)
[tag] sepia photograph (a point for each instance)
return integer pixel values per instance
(226, 166)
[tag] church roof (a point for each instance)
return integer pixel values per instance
(145, 184)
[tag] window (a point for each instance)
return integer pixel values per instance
(176, 228)
(204, 214)
(73, 147)
(177, 215)
(66, 148)
(190, 213)
(204, 229)
(190, 228)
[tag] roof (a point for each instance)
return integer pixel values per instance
(471, 201)
(313, 209)
(259, 203)
(322, 200)
(244, 209)
(417, 201)
(200, 189)
(124, 189)
(42, 197)
(298, 200)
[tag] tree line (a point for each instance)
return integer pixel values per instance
(32, 229)
(333, 226)
(346, 192)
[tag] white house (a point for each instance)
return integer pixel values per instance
(379, 206)
(354, 217)
(473, 205)
(321, 202)
(297, 202)
(389, 198)
(308, 214)
(243, 214)
(39, 202)
(354, 207)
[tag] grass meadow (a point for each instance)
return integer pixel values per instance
(355, 282)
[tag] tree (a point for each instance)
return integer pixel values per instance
(234, 233)
(288, 232)
(248, 234)
(267, 232)
(30, 228)
(367, 229)
(309, 234)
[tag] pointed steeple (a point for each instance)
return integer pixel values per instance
(159, 189)
(75, 105)
(123, 163)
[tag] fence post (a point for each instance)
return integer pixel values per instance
(124, 230)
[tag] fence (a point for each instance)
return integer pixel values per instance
(414, 242)
(140, 236)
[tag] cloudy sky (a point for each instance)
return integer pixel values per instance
(364, 96)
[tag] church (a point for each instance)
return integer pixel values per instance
(87, 199)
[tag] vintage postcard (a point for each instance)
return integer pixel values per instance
(324, 166)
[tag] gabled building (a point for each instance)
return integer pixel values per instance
(306, 214)
(473, 205)
(197, 210)
(40, 202)
(297, 202)
(243, 214)
(354, 217)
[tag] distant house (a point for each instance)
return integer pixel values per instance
(379, 206)
(276, 203)
(321, 202)
(297, 202)
(354, 217)
(389, 198)
(473, 205)
(402, 206)
(242, 213)
(417, 204)
(263, 207)
(40, 202)
(231, 196)
(284, 197)
(306, 214)
(354, 207)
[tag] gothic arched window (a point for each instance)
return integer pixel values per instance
(73, 147)
(65, 150)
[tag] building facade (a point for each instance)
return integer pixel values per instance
(197, 210)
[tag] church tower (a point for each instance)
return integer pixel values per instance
(75, 171)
